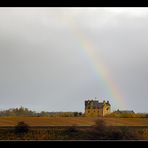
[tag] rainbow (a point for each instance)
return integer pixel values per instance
(101, 70)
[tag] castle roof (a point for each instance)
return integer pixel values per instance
(100, 105)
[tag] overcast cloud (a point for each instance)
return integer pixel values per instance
(43, 67)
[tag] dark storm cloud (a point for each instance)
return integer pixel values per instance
(43, 66)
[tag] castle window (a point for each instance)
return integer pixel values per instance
(107, 109)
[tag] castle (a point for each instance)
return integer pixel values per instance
(95, 108)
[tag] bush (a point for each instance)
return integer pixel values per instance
(99, 130)
(72, 131)
(102, 132)
(21, 128)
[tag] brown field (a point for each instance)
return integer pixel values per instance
(47, 121)
(127, 121)
(68, 121)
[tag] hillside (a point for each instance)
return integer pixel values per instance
(68, 121)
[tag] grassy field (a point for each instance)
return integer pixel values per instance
(68, 121)
(56, 131)
(127, 121)
(47, 121)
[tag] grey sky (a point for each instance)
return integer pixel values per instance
(43, 66)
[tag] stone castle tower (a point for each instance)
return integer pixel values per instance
(95, 108)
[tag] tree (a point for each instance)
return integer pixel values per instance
(21, 128)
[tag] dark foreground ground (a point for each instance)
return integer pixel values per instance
(76, 133)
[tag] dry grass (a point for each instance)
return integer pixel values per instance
(127, 121)
(47, 121)
(67, 121)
